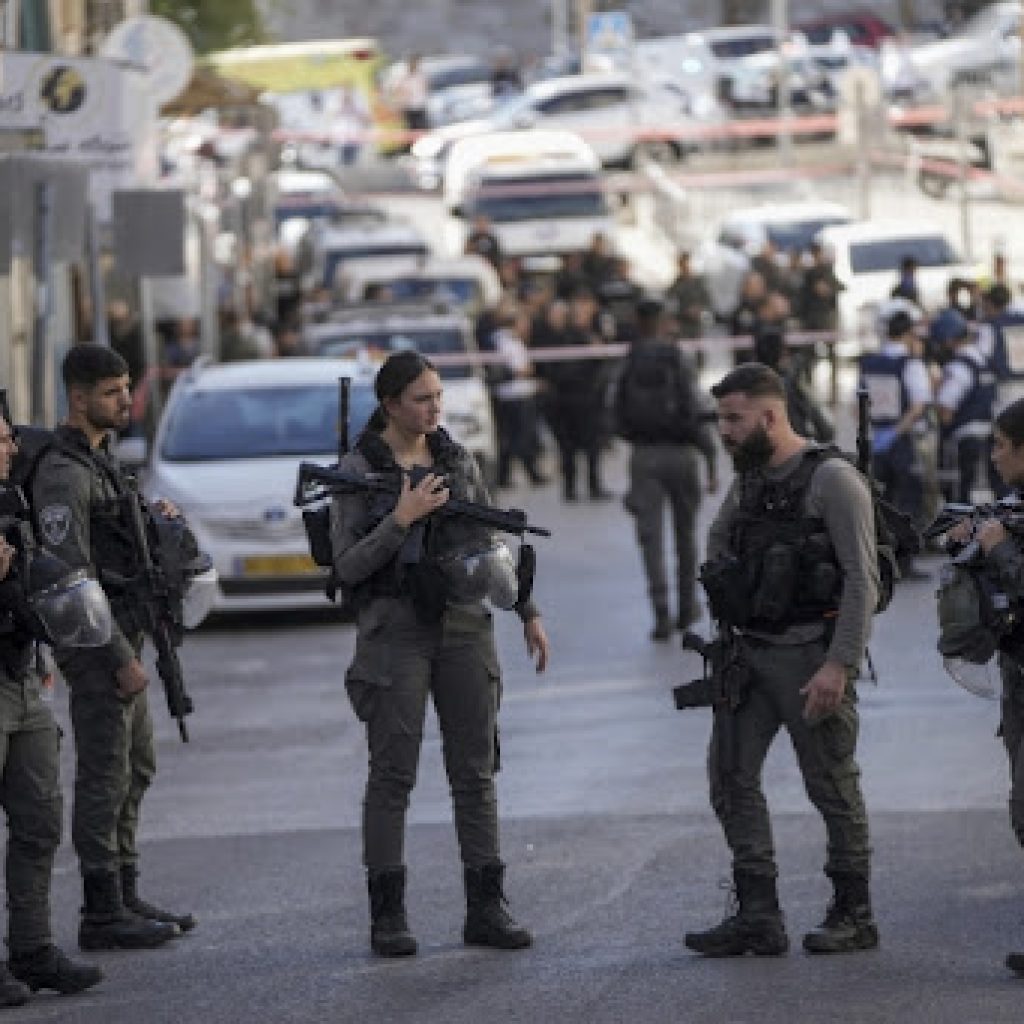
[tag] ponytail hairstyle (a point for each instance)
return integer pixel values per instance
(1011, 422)
(397, 373)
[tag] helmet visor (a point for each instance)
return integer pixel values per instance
(74, 613)
(484, 570)
(199, 599)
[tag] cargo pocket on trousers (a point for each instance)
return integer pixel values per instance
(490, 659)
(369, 673)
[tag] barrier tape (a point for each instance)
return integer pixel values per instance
(688, 131)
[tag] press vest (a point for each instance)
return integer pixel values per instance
(882, 375)
(979, 402)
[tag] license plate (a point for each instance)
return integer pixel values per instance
(278, 565)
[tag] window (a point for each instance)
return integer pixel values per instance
(253, 423)
(380, 341)
(885, 254)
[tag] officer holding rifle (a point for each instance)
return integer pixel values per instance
(417, 578)
(793, 579)
(41, 601)
(1002, 556)
(81, 501)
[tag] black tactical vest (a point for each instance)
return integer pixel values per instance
(783, 567)
(399, 578)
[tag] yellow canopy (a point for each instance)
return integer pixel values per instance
(295, 67)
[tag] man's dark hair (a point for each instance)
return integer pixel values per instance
(87, 364)
(753, 379)
(1011, 422)
(648, 314)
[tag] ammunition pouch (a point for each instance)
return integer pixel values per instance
(317, 523)
(724, 582)
(776, 589)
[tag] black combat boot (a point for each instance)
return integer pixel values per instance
(130, 896)
(488, 923)
(848, 925)
(756, 927)
(106, 924)
(48, 967)
(389, 927)
(1015, 962)
(12, 991)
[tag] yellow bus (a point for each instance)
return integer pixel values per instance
(315, 66)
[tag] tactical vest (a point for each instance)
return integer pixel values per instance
(882, 375)
(781, 569)
(110, 532)
(398, 578)
(979, 402)
(18, 628)
(1008, 357)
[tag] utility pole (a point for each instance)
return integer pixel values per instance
(780, 22)
(584, 8)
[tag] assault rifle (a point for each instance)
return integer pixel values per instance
(722, 687)
(316, 483)
(1009, 511)
(160, 613)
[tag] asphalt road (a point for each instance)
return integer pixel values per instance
(612, 850)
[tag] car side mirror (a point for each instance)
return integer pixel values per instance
(133, 451)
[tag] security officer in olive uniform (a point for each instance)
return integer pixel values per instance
(801, 630)
(657, 410)
(79, 500)
(29, 775)
(418, 637)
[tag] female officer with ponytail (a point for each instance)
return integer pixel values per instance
(418, 636)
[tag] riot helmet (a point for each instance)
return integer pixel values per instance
(200, 595)
(189, 572)
(969, 628)
(478, 569)
(69, 605)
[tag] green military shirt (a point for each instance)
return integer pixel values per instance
(65, 490)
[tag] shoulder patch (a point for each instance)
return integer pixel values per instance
(55, 523)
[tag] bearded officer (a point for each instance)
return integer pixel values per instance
(79, 497)
(801, 646)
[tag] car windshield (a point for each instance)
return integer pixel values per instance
(315, 209)
(744, 46)
(799, 234)
(555, 196)
(509, 109)
(886, 254)
(378, 342)
(336, 257)
(458, 291)
(258, 423)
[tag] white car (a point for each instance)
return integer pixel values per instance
(227, 451)
(867, 257)
(370, 332)
(725, 260)
(329, 250)
(467, 282)
(610, 111)
(986, 51)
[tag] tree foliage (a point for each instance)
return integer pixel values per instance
(214, 24)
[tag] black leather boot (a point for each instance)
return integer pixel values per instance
(12, 991)
(389, 927)
(107, 924)
(130, 897)
(848, 925)
(1015, 962)
(756, 927)
(662, 624)
(488, 922)
(48, 967)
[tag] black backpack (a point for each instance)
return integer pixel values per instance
(652, 396)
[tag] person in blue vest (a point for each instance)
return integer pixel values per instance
(1001, 337)
(900, 390)
(966, 404)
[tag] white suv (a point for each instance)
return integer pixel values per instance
(610, 111)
